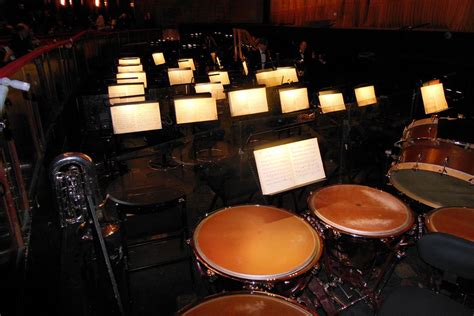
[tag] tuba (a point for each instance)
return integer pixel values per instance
(74, 182)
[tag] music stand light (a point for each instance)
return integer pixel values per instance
(119, 93)
(221, 76)
(268, 77)
(186, 63)
(293, 99)
(180, 76)
(127, 61)
(158, 58)
(132, 77)
(196, 108)
(434, 100)
(246, 68)
(365, 95)
(331, 101)
(287, 74)
(214, 88)
(248, 101)
(130, 68)
(135, 117)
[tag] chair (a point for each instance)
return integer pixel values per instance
(455, 258)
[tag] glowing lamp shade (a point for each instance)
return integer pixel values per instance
(248, 101)
(128, 61)
(287, 74)
(294, 99)
(158, 58)
(130, 68)
(433, 96)
(331, 101)
(180, 76)
(219, 76)
(132, 77)
(122, 93)
(186, 63)
(135, 117)
(214, 88)
(198, 108)
(365, 95)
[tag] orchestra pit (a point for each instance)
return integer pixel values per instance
(261, 157)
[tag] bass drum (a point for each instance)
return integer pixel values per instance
(436, 167)
(456, 221)
(246, 303)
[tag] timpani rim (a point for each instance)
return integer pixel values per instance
(277, 297)
(409, 222)
(301, 269)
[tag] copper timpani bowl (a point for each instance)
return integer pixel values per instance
(361, 211)
(246, 304)
(256, 243)
(457, 221)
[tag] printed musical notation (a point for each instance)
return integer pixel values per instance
(131, 118)
(284, 167)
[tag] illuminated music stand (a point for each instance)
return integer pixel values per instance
(180, 77)
(331, 101)
(189, 111)
(434, 100)
(285, 166)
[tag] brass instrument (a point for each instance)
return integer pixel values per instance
(74, 180)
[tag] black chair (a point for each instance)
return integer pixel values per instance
(455, 258)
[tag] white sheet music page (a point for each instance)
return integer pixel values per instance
(284, 167)
(133, 118)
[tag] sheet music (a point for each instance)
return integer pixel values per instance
(284, 167)
(195, 110)
(133, 118)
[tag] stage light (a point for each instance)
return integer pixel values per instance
(158, 58)
(219, 76)
(331, 101)
(433, 96)
(365, 95)
(293, 99)
(129, 61)
(248, 101)
(186, 63)
(180, 76)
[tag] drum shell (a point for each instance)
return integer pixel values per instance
(355, 251)
(438, 153)
(423, 129)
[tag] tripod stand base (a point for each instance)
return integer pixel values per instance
(163, 164)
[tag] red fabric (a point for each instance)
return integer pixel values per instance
(454, 15)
